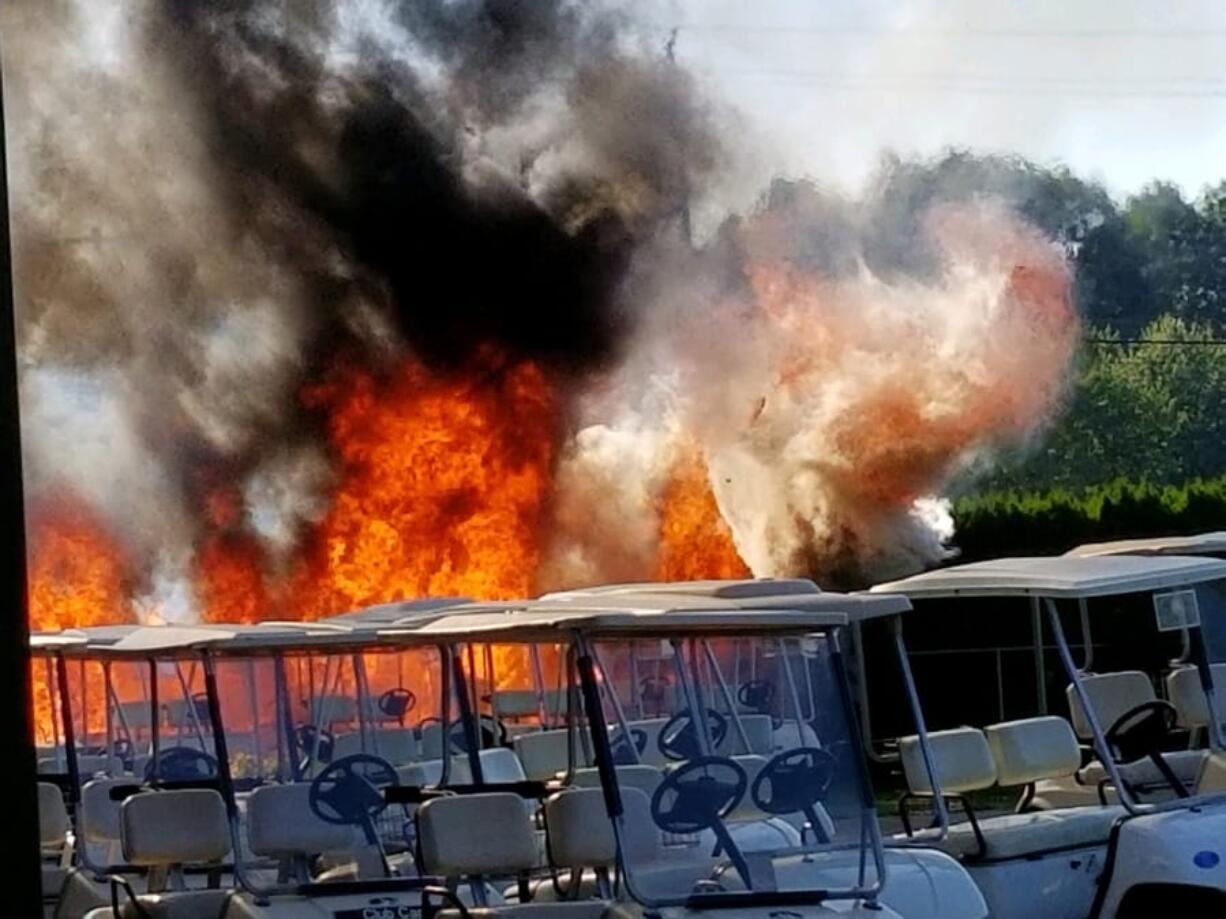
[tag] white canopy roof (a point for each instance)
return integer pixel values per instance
(750, 594)
(1213, 543)
(609, 612)
(1059, 576)
(386, 613)
(47, 642)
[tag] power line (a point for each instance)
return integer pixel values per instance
(960, 32)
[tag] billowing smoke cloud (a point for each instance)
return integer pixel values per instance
(833, 402)
(218, 204)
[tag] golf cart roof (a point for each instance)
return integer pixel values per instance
(157, 641)
(1059, 576)
(798, 594)
(49, 642)
(1213, 543)
(387, 613)
(629, 614)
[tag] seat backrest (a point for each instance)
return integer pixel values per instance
(515, 703)
(644, 777)
(396, 745)
(280, 822)
(134, 714)
(1111, 694)
(336, 708)
(477, 834)
(498, 764)
(430, 772)
(431, 740)
(53, 822)
(1033, 749)
(1184, 691)
(543, 754)
(174, 827)
(579, 830)
(581, 834)
(758, 731)
(961, 758)
(99, 815)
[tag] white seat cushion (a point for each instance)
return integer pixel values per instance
(1110, 694)
(1033, 749)
(580, 832)
(544, 754)
(476, 834)
(642, 777)
(99, 815)
(515, 703)
(174, 827)
(280, 822)
(961, 758)
(53, 822)
(1184, 690)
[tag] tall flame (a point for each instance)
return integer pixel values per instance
(443, 482)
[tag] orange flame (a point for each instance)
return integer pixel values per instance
(443, 481)
(79, 575)
(695, 542)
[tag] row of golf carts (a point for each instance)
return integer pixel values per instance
(658, 750)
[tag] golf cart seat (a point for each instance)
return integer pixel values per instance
(544, 754)
(643, 777)
(515, 703)
(282, 826)
(477, 837)
(581, 841)
(163, 831)
(758, 731)
(1111, 695)
(1009, 754)
(1184, 691)
(396, 745)
(53, 830)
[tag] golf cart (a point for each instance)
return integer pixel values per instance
(675, 814)
(1081, 686)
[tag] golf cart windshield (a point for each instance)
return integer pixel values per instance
(739, 769)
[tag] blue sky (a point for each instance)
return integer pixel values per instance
(1119, 90)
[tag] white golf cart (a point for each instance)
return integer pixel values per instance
(799, 838)
(1120, 808)
(1211, 544)
(751, 807)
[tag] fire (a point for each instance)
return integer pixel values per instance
(443, 484)
(695, 542)
(230, 582)
(79, 575)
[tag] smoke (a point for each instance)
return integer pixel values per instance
(833, 402)
(218, 204)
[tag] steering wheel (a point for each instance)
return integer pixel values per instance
(697, 797)
(1139, 732)
(350, 792)
(794, 781)
(493, 734)
(305, 735)
(678, 739)
(756, 694)
(620, 746)
(396, 703)
(181, 764)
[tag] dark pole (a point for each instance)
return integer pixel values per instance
(24, 891)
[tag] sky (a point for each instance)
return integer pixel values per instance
(1121, 91)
